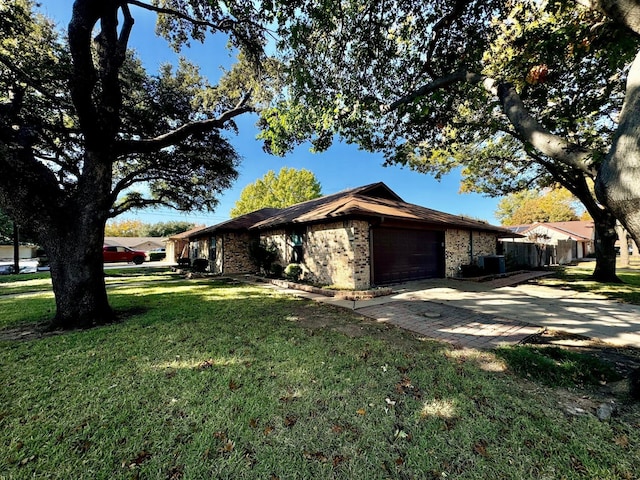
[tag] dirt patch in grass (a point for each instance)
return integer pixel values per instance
(313, 317)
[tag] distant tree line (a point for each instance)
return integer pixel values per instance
(137, 228)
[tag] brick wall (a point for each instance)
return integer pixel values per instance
(335, 254)
(235, 253)
(460, 251)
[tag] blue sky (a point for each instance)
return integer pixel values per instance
(342, 166)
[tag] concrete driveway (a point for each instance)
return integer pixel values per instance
(554, 308)
(502, 311)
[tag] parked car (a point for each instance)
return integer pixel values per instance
(157, 254)
(122, 254)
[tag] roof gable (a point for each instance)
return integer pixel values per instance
(372, 201)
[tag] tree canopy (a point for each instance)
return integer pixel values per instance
(87, 134)
(531, 206)
(137, 228)
(277, 190)
(518, 94)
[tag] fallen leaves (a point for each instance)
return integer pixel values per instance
(290, 421)
(480, 448)
(142, 457)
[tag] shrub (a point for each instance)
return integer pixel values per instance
(200, 265)
(293, 272)
(262, 255)
(276, 270)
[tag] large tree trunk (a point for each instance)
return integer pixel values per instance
(74, 249)
(605, 240)
(618, 181)
(73, 236)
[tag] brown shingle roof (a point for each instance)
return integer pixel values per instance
(375, 201)
(187, 234)
(371, 201)
(243, 222)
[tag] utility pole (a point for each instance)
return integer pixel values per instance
(16, 248)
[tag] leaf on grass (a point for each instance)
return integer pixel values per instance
(268, 429)
(480, 448)
(176, 472)
(233, 385)
(338, 459)
(26, 460)
(622, 441)
(253, 423)
(337, 429)
(578, 466)
(220, 435)
(361, 411)
(142, 457)
(290, 420)
(319, 456)
(228, 447)
(206, 364)
(399, 461)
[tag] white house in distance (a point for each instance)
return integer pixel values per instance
(567, 241)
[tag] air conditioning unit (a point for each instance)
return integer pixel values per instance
(493, 264)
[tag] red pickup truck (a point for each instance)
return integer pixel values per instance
(122, 254)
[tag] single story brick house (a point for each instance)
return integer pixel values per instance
(567, 241)
(355, 239)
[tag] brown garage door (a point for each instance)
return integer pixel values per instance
(402, 254)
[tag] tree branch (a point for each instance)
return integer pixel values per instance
(439, 26)
(527, 127)
(225, 25)
(127, 147)
(624, 12)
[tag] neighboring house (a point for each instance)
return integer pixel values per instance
(24, 251)
(145, 244)
(567, 241)
(177, 246)
(353, 239)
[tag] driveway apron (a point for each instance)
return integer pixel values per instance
(503, 311)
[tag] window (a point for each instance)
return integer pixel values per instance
(212, 249)
(297, 241)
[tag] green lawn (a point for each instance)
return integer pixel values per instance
(206, 380)
(577, 278)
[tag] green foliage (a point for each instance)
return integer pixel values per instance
(293, 272)
(6, 229)
(558, 367)
(286, 188)
(262, 255)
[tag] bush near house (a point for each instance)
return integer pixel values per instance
(293, 272)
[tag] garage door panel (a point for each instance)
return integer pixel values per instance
(403, 254)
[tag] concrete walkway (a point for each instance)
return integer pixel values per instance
(502, 311)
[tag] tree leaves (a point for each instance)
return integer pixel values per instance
(286, 188)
